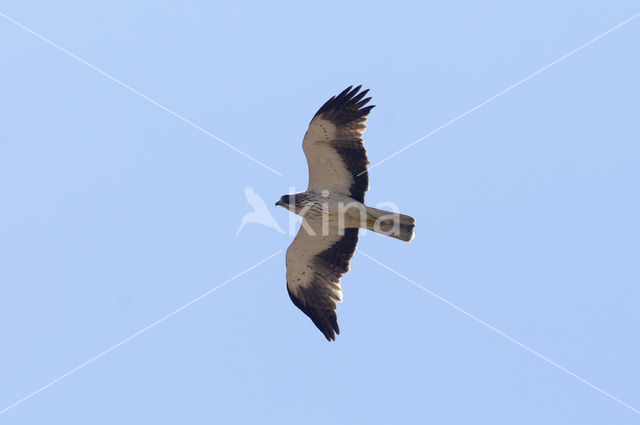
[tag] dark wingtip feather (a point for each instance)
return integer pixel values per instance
(356, 99)
(325, 320)
(346, 107)
(327, 325)
(362, 103)
(344, 92)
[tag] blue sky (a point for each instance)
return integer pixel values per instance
(116, 213)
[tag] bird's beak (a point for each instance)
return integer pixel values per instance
(278, 203)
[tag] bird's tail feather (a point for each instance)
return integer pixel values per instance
(392, 224)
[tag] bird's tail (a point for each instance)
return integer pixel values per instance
(392, 224)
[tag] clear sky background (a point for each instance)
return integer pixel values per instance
(115, 213)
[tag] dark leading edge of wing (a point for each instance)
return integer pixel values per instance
(348, 112)
(329, 265)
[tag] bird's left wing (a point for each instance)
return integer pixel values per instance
(333, 145)
(315, 264)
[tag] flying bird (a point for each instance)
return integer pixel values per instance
(333, 210)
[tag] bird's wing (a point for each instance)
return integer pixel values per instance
(333, 145)
(315, 264)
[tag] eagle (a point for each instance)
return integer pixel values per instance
(333, 209)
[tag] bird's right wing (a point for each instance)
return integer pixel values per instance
(315, 264)
(333, 145)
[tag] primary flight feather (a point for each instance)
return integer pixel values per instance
(333, 209)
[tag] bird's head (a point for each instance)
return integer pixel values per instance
(285, 200)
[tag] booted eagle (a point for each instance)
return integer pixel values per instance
(333, 209)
